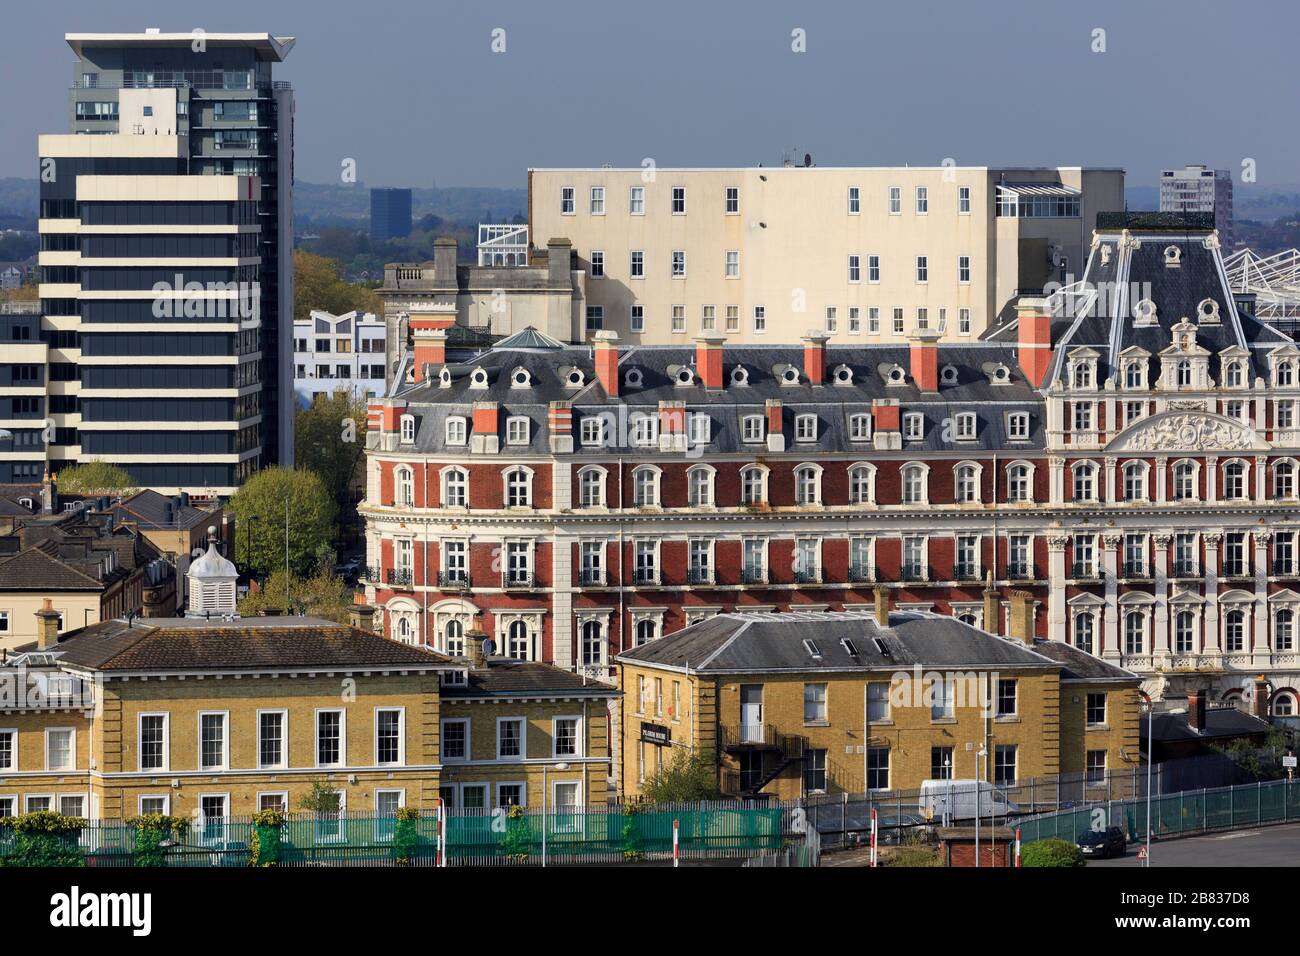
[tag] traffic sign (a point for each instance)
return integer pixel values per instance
(1142, 853)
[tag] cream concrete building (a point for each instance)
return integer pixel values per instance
(765, 254)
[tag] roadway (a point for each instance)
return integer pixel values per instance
(1266, 846)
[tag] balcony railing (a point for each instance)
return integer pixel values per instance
(966, 572)
(646, 576)
(913, 572)
(752, 575)
(517, 579)
(1135, 569)
(1235, 569)
(1185, 569)
(456, 580)
(400, 576)
(372, 572)
(1085, 570)
(861, 572)
(699, 575)
(591, 577)
(807, 575)
(1284, 567)
(1020, 571)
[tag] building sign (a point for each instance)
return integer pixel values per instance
(656, 734)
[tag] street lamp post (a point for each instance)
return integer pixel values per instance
(980, 754)
(1151, 757)
(545, 788)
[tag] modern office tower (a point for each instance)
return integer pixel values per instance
(1200, 189)
(390, 213)
(166, 261)
(866, 254)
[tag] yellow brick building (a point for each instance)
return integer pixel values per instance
(223, 718)
(820, 702)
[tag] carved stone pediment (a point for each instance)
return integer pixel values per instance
(1187, 431)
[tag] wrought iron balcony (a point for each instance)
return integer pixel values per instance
(1084, 570)
(1235, 569)
(912, 572)
(646, 576)
(966, 572)
(454, 580)
(753, 575)
(699, 575)
(861, 572)
(1020, 570)
(807, 575)
(400, 576)
(517, 579)
(1284, 567)
(373, 573)
(1185, 569)
(591, 577)
(1136, 569)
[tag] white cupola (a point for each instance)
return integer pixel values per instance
(211, 579)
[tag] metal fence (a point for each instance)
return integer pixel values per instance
(1179, 814)
(722, 830)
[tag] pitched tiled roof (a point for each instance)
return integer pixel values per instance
(1079, 664)
(252, 644)
(36, 570)
(1220, 722)
(149, 509)
(507, 677)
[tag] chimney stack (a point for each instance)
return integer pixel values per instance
(362, 616)
(1022, 616)
(1259, 703)
(882, 606)
(559, 427)
(474, 639)
(430, 348)
(606, 349)
(47, 626)
(559, 256)
(1034, 329)
(992, 606)
(1196, 710)
(814, 356)
(444, 261)
(924, 356)
(708, 358)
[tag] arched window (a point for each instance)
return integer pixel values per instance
(1284, 630)
(1135, 481)
(860, 490)
(518, 641)
(913, 485)
(1283, 705)
(1234, 631)
(807, 485)
(1019, 483)
(591, 488)
(753, 481)
(1085, 482)
(519, 488)
(968, 617)
(593, 643)
(645, 487)
(405, 486)
(647, 629)
(1083, 375)
(453, 639)
(1234, 480)
(405, 632)
(1284, 479)
(699, 486)
(1184, 632)
(455, 488)
(1135, 626)
(1232, 375)
(967, 485)
(1083, 622)
(1133, 375)
(1285, 373)
(1184, 481)
(1183, 374)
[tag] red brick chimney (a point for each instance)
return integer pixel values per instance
(430, 348)
(814, 356)
(925, 359)
(606, 350)
(1196, 710)
(1034, 328)
(708, 358)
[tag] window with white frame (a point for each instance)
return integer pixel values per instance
(598, 200)
(855, 200)
(457, 430)
(271, 738)
(592, 431)
(645, 487)
(60, 748)
(732, 269)
(390, 747)
(855, 268)
(329, 739)
(922, 200)
(510, 738)
(701, 428)
(567, 201)
(1018, 426)
(213, 741)
(455, 488)
(517, 430)
(408, 429)
(963, 200)
(699, 486)
(591, 488)
(751, 428)
(895, 200)
(922, 268)
(733, 201)
(966, 484)
(645, 430)
(405, 485)
(519, 488)
(679, 263)
(860, 427)
(963, 269)
(805, 428)
(807, 485)
(913, 426)
(861, 484)
(1020, 482)
(679, 200)
(760, 318)
(566, 736)
(636, 200)
(753, 485)
(965, 426)
(153, 746)
(914, 490)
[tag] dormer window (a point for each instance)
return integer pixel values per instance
(456, 430)
(1183, 374)
(860, 427)
(593, 430)
(478, 379)
(1285, 375)
(843, 375)
(966, 426)
(1000, 375)
(444, 378)
(575, 378)
(896, 376)
(790, 376)
(1173, 257)
(913, 426)
(684, 376)
(632, 378)
(1144, 313)
(1083, 376)
(645, 430)
(1208, 312)
(805, 428)
(1234, 375)
(1135, 373)
(1018, 426)
(520, 378)
(948, 375)
(517, 430)
(407, 424)
(739, 375)
(751, 428)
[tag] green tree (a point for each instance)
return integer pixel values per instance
(318, 284)
(329, 439)
(690, 775)
(95, 478)
(259, 507)
(322, 595)
(321, 798)
(1058, 853)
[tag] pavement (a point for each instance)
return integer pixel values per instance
(1267, 846)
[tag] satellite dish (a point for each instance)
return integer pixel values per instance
(489, 647)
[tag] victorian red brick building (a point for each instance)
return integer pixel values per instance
(1124, 450)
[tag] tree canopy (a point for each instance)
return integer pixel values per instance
(690, 775)
(330, 440)
(95, 478)
(259, 507)
(323, 595)
(318, 284)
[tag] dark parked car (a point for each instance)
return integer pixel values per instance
(1103, 843)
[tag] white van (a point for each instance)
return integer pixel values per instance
(956, 800)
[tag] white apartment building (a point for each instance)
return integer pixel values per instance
(334, 352)
(1200, 189)
(870, 254)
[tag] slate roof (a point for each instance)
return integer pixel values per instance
(149, 509)
(767, 642)
(507, 677)
(249, 644)
(1220, 722)
(1079, 664)
(549, 367)
(37, 570)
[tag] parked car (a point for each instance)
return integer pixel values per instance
(1106, 843)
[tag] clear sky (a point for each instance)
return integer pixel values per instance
(412, 90)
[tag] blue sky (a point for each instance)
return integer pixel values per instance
(414, 93)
